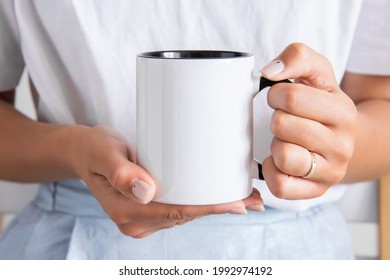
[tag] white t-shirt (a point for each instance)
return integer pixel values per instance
(81, 55)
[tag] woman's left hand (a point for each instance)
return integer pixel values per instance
(314, 120)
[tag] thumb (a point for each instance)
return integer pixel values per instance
(303, 64)
(131, 180)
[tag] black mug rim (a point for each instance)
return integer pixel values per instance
(194, 54)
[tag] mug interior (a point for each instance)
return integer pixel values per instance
(193, 54)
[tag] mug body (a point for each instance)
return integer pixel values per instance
(194, 124)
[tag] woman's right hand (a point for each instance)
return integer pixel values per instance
(104, 160)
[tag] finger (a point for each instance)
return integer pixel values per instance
(131, 152)
(122, 210)
(290, 158)
(306, 133)
(157, 216)
(310, 103)
(128, 178)
(290, 187)
(118, 207)
(149, 232)
(254, 199)
(301, 62)
(296, 161)
(155, 210)
(144, 228)
(253, 202)
(186, 211)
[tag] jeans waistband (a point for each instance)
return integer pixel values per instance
(68, 196)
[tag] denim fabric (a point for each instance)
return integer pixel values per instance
(65, 222)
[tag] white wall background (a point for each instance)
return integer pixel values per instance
(360, 205)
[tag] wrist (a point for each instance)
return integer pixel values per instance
(70, 155)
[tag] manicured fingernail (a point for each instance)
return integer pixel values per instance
(142, 191)
(238, 211)
(256, 207)
(272, 69)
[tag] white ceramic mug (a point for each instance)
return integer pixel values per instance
(194, 124)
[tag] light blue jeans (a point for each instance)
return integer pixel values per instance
(64, 221)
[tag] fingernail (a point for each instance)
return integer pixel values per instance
(238, 211)
(272, 69)
(142, 191)
(256, 207)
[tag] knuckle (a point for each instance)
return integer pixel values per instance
(343, 153)
(279, 191)
(131, 231)
(140, 236)
(277, 123)
(117, 175)
(349, 115)
(347, 154)
(299, 49)
(283, 160)
(117, 216)
(320, 191)
(291, 96)
(336, 176)
(143, 234)
(177, 214)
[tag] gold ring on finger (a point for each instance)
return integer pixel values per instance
(313, 166)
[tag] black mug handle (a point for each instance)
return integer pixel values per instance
(264, 82)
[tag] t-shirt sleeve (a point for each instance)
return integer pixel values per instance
(11, 59)
(370, 53)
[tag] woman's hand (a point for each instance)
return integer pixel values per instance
(104, 160)
(313, 118)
